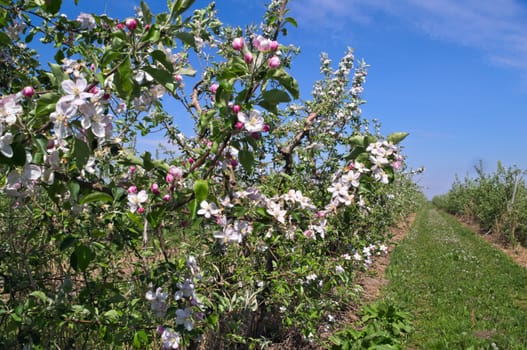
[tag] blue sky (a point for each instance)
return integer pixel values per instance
(452, 73)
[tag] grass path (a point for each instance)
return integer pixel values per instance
(463, 292)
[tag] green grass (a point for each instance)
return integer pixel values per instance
(462, 292)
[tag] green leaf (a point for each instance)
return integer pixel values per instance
(276, 96)
(40, 295)
(286, 80)
(292, 21)
(96, 197)
(81, 257)
(162, 76)
(4, 39)
(186, 38)
(112, 315)
(52, 6)
(161, 57)
(397, 137)
(140, 339)
(58, 73)
(124, 80)
(74, 188)
(201, 190)
(247, 160)
(179, 7)
(67, 242)
(46, 104)
(81, 153)
(188, 71)
(147, 14)
(110, 55)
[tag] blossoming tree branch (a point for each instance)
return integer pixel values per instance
(256, 217)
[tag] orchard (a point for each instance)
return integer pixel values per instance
(249, 227)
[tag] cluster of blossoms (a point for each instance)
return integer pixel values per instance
(263, 46)
(277, 207)
(186, 313)
(9, 110)
(136, 198)
(365, 255)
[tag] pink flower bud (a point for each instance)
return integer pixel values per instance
(248, 57)
(266, 128)
(179, 78)
(169, 178)
(140, 210)
(274, 62)
(234, 163)
(92, 66)
(132, 169)
(131, 24)
(236, 108)
(28, 91)
(238, 125)
(120, 26)
(106, 96)
(238, 43)
(94, 90)
(175, 171)
(155, 188)
(274, 45)
(147, 27)
(214, 88)
(166, 197)
(160, 329)
(191, 160)
(132, 189)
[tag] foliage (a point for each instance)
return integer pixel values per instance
(496, 201)
(383, 326)
(462, 291)
(255, 219)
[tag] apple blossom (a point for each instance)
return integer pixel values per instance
(158, 301)
(274, 62)
(131, 24)
(75, 91)
(252, 123)
(136, 199)
(208, 209)
(5, 145)
(238, 43)
(214, 88)
(248, 57)
(28, 91)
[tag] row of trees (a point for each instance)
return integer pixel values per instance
(256, 222)
(496, 201)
